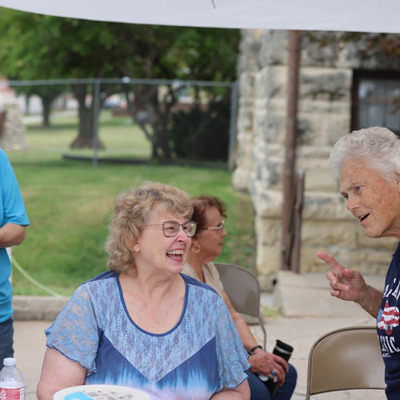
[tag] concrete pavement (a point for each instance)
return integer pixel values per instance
(29, 346)
(308, 313)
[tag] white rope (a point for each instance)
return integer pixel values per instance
(34, 281)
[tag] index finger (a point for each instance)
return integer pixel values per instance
(330, 260)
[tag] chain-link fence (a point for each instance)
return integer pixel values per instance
(128, 120)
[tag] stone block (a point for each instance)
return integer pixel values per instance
(266, 170)
(268, 231)
(271, 82)
(319, 179)
(326, 130)
(245, 122)
(273, 48)
(245, 148)
(331, 84)
(268, 203)
(246, 85)
(313, 54)
(267, 282)
(268, 259)
(325, 206)
(322, 233)
(271, 127)
(355, 259)
(364, 260)
(249, 50)
(240, 179)
(318, 175)
(309, 262)
(321, 152)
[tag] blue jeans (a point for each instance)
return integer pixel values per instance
(260, 392)
(6, 340)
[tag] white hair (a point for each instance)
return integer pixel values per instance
(378, 147)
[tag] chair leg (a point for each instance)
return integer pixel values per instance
(264, 333)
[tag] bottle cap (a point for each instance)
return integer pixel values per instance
(9, 362)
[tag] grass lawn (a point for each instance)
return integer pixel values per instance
(70, 202)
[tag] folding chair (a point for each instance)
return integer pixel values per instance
(345, 359)
(243, 290)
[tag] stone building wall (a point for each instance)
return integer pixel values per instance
(324, 115)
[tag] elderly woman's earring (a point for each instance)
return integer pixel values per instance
(195, 248)
(136, 248)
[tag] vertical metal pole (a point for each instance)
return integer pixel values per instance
(298, 220)
(290, 145)
(96, 102)
(232, 125)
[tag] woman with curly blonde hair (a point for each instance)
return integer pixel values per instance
(143, 324)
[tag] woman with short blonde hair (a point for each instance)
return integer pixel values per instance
(143, 324)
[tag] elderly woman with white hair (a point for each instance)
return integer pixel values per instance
(143, 324)
(368, 163)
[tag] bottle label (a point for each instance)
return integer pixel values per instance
(12, 394)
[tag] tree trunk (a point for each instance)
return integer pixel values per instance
(161, 116)
(84, 140)
(27, 104)
(46, 105)
(146, 112)
(161, 142)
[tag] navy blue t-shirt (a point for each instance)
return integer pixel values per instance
(388, 328)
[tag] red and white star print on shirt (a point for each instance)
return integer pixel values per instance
(389, 319)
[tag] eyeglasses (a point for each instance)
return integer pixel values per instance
(171, 228)
(219, 227)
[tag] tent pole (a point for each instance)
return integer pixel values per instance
(290, 146)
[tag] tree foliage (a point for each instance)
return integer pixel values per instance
(44, 47)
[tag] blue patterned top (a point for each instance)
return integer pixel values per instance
(194, 360)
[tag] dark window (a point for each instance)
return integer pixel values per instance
(376, 100)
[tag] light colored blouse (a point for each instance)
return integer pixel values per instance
(194, 360)
(211, 275)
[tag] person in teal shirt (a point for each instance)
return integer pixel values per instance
(13, 220)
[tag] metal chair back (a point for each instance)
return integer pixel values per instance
(243, 290)
(345, 359)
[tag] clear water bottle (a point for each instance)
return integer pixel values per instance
(12, 382)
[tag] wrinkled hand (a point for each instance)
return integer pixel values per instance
(345, 284)
(263, 363)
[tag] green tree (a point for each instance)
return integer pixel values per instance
(16, 67)
(47, 95)
(44, 47)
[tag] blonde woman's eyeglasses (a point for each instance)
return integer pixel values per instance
(171, 228)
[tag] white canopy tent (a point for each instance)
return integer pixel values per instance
(338, 15)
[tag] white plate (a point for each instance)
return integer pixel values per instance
(100, 392)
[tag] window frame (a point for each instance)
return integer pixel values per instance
(358, 76)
